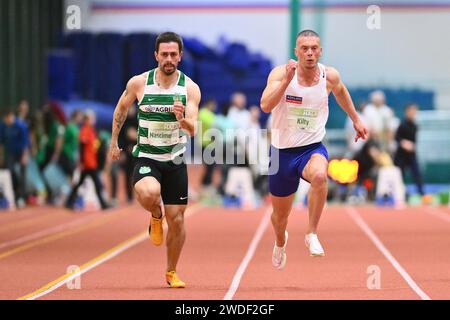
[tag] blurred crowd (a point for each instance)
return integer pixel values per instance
(234, 132)
(48, 157)
(391, 142)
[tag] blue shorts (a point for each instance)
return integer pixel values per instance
(285, 178)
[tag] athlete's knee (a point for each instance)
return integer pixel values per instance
(319, 179)
(148, 195)
(176, 221)
(280, 215)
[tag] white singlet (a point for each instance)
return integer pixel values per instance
(299, 118)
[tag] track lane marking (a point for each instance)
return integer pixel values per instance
(249, 255)
(95, 262)
(62, 234)
(353, 213)
(14, 225)
(18, 214)
(45, 232)
(437, 213)
(52, 286)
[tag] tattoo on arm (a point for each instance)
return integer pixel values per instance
(119, 119)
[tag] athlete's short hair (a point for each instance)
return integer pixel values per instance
(308, 33)
(167, 37)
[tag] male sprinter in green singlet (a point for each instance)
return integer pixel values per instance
(168, 109)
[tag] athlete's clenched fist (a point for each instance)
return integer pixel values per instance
(291, 66)
(178, 109)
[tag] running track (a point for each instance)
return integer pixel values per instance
(227, 255)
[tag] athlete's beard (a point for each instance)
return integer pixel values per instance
(162, 68)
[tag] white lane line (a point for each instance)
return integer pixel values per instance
(125, 246)
(249, 255)
(438, 214)
(46, 232)
(377, 242)
(108, 255)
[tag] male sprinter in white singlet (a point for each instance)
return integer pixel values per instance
(297, 95)
(168, 109)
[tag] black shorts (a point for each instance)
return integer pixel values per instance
(172, 177)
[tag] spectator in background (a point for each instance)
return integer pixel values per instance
(207, 118)
(255, 115)
(226, 126)
(14, 138)
(69, 154)
(53, 137)
(381, 121)
(257, 143)
(127, 141)
(352, 146)
(369, 157)
(240, 117)
(38, 137)
(254, 134)
(235, 129)
(238, 112)
(22, 111)
(50, 144)
(89, 144)
(38, 192)
(104, 139)
(106, 165)
(405, 136)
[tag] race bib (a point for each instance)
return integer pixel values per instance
(161, 133)
(302, 118)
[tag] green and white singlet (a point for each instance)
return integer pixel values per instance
(159, 135)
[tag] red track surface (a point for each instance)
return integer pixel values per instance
(218, 240)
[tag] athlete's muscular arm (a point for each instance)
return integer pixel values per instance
(120, 114)
(188, 121)
(344, 100)
(277, 83)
